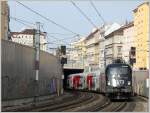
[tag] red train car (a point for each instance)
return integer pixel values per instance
(89, 81)
(76, 81)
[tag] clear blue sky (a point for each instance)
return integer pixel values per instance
(64, 13)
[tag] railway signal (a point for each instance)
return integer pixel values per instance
(132, 54)
(63, 50)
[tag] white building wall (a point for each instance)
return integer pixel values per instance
(112, 45)
(27, 39)
(128, 42)
(102, 47)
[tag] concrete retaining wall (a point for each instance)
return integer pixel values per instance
(18, 74)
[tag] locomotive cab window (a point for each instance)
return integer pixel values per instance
(122, 71)
(119, 75)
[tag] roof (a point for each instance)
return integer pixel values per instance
(90, 35)
(140, 5)
(103, 28)
(27, 32)
(112, 33)
(128, 25)
(121, 29)
(111, 28)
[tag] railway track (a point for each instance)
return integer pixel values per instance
(79, 107)
(53, 101)
(58, 105)
(102, 104)
(77, 104)
(86, 102)
(125, 106)
(114, 107)
(68, 105)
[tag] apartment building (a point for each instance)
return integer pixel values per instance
(113, 45)
(27, 36)
(128, 42)
(101, 47)
(76, 54)
(104, 31)
(141, 28)
(92, 48)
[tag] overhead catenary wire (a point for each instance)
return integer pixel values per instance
(73, 37)
(62, 34)
(23, 23)
(50, 43)
(31, 27)
(68, 38)
(83, 14)
(57, 39)
(97, 12)
(22, 20)
(46, 18)
(26, 23)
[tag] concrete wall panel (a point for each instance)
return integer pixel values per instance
(18, 74)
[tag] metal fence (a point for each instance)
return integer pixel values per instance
(18, 74)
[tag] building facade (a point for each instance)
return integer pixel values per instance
(101, 48)
(27, 36)
(104, 31)
(113, 45)
(92, 48)
(141, 28)
(5, 20)
(128, 41)
(76, 54)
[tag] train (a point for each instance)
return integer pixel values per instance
(119, 81)
(115, 81)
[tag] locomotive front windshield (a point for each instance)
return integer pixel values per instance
(119, 76)
(119, 70)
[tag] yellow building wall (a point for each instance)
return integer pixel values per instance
(141, 29)
(81, 52)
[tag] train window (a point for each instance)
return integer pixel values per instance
(118, 70)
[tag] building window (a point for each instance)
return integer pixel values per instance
(141, 9)
(119, 49)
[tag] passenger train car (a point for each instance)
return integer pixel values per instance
(89, 81)
(75, 81)
(115, 81)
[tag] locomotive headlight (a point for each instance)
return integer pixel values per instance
(129, 82)
(108, 83)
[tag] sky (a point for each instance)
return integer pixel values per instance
(64, 13)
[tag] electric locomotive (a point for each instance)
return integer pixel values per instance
(118, 81)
